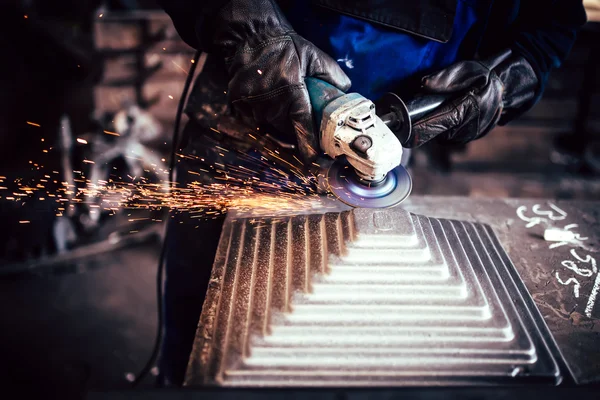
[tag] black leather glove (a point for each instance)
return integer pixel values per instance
(267, 63)
(483, 94)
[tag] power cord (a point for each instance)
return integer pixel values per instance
(161, 261)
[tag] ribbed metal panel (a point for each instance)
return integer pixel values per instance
(365, 297)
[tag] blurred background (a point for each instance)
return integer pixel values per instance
(87, 80)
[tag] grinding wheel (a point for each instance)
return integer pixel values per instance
(347, 186)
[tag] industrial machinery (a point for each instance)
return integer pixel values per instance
(367, 148)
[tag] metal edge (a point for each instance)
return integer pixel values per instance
(202, 344)
(522, 311)
(532, 308)
(503, 295)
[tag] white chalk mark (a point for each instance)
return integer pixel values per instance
(558, 210)
(592, 299)
(578, 237)
(588, 259)
(573, 267)
(558, 235)
(570, 280)
(530, 221)
(555, 245)
(550, 214)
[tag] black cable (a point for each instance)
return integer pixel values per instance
(161, 261)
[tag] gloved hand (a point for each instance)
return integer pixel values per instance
(267, 63)
(486, 93)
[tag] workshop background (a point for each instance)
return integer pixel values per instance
(77, 288)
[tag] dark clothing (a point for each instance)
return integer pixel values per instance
(378, 59)
(543, 31)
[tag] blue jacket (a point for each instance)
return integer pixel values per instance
(437, 32)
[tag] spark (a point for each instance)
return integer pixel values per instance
(171, 97)
(82, 141)
(180, 67)
(24, 222)
(270, 182)
(259, 71)
(112, 133)
(33, 124)
(100, 16)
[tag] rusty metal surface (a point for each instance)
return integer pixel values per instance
(366, 297)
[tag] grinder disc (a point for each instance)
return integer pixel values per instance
(346, 186)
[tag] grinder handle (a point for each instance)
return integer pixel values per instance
(400, 116)
(321, 93)
(420, 106)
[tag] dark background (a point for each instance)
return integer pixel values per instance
(71, 326)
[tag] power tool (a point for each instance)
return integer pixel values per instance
(366, 148)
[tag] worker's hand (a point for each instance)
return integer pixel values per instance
(267, 63)
(485, 93)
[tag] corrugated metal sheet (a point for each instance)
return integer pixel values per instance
(365, 297)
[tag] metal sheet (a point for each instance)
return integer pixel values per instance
(565, 298)
(366, 297)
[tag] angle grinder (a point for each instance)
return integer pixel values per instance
(366, 148)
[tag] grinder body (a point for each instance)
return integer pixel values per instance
(367, 148)
(349, 126)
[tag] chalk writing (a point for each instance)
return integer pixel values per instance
(588, 259)
(550, 214)
(555, 214)
(577, 237)
(570, 280)
(593, 294)
(583, 266)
